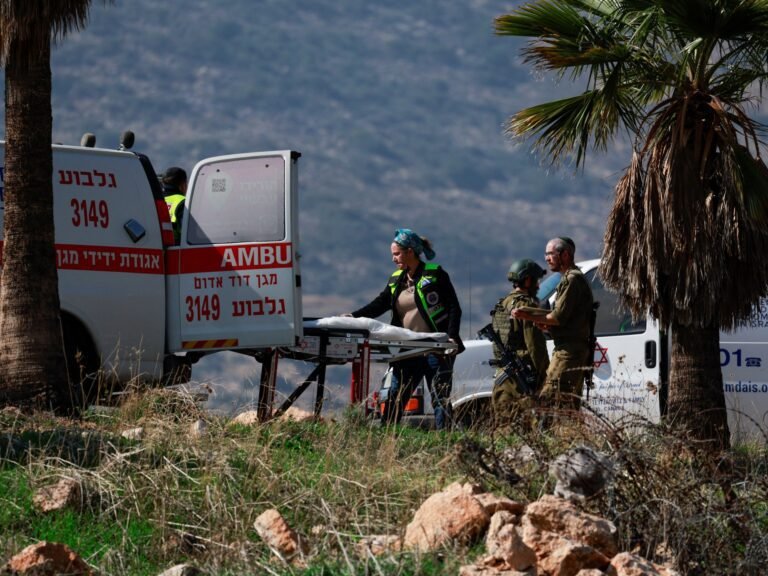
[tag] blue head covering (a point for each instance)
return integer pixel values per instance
(407, 238)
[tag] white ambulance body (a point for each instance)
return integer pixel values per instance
(631, 367)
(132, 302)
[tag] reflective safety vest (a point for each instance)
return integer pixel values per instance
(173, 201)
(427, 293)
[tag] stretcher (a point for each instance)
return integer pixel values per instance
(342, 340)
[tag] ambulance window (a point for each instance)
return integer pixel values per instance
(238, 201)
(611, 318)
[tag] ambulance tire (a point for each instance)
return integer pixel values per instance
(474, 415)
(83, 362)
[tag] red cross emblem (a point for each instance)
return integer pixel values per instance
(601, 355)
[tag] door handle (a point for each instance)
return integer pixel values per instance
(650, 354)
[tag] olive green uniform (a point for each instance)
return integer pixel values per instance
(507, 402)
(572, 310)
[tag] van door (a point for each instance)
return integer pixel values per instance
(234, 279)
(627, 358)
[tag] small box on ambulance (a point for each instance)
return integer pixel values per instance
(133, 303)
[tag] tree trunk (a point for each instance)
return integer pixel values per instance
(696, 397)
(31, 347)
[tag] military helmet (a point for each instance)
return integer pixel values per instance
(522, 269)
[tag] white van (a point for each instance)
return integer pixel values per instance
(631, 367)
(133, 303)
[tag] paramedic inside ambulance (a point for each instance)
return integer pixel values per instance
(174, 181)
(421, 298)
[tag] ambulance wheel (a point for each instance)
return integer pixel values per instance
(82, 362)
(473, 415)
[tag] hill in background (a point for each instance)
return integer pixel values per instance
(397, 108)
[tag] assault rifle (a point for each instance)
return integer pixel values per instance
(512, 366)
(590, 371)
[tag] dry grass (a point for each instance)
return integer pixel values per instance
(172, 496)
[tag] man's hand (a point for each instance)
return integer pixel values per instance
(520, 315)
(449, 351)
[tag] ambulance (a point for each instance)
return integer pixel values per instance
(631, 368)
(134, 304)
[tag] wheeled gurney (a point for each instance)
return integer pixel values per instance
(342, 340)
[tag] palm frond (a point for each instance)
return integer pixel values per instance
(565, 38)
(544, 19)
(724, 20)
(568, 125)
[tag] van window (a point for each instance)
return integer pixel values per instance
(612, 319)
(238, 201)
(547, 288)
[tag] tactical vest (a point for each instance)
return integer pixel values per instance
(426, 290)
(504, 325)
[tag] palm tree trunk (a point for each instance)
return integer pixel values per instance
(31, 348)
(696, 398)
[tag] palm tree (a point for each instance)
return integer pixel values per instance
(686, 235)
(31, 350)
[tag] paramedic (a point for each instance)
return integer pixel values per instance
(174, 181)
(421, 298)
(520, 337)
(568, 323)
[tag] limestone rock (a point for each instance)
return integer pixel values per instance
(67, 492)
(567, 558)
(198, 428)
(274, 530)
(493, 504)
(182, 570)
(47, 559)
(627, 564)
(133, 433)
(451, 515)
(298, 415)
(553, 514)
(379, 544)
(481, 570)
(247, 418)
(504, 543)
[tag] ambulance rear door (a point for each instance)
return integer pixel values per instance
(234, 281)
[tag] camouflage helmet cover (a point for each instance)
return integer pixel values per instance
(522, 269)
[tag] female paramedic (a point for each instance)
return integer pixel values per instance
(421, 298)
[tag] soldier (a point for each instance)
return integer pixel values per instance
(569, 325)
(521, 337)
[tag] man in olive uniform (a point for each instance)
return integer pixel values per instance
(568, 323)
(521, 337)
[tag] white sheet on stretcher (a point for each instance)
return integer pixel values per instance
(377, 330)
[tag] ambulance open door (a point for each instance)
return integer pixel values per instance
(234, 280)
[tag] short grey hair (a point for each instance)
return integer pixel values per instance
(564, 244)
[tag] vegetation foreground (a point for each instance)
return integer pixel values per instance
(189, 487)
